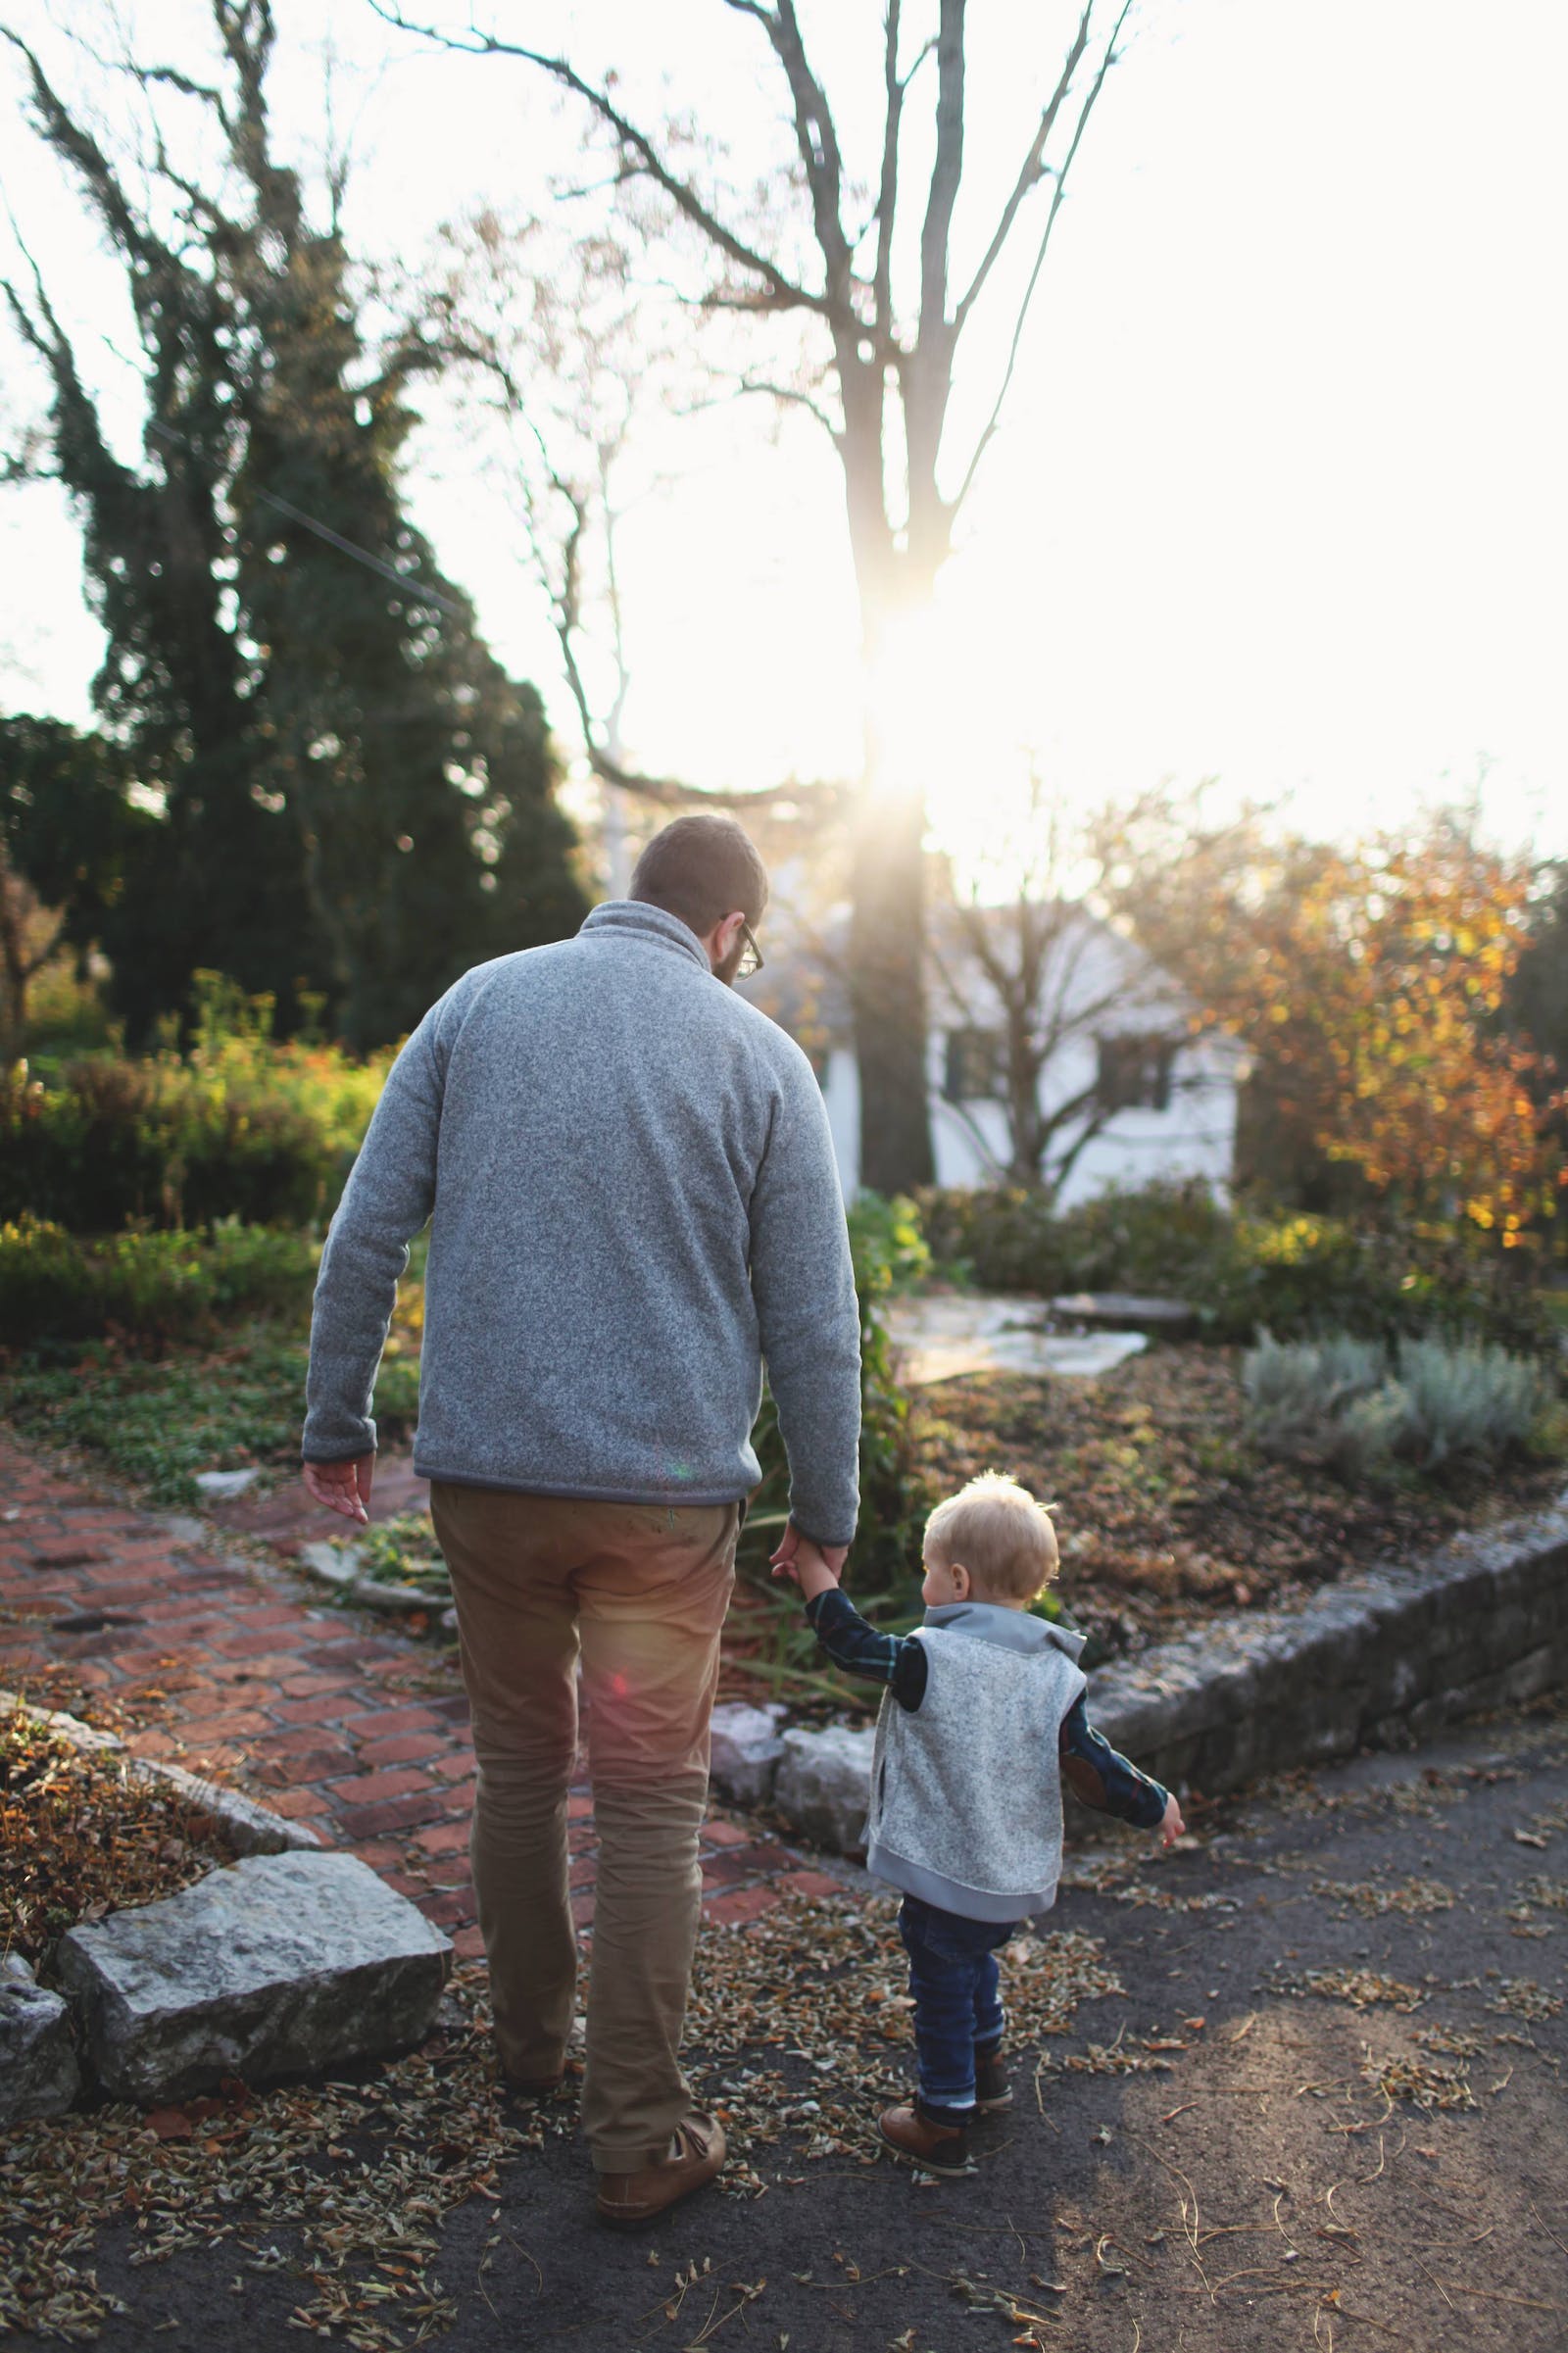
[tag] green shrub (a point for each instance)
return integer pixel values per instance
(1158, 1236)
(239, 1126)
(57, 1285)
(888, 1242)
(1245, 1270)
(1358, 1407)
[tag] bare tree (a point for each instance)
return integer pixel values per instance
(885, 314)
(555, 343)
(1069, 1020)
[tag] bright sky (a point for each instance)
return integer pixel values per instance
(1282, 494)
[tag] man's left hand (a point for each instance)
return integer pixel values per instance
(343, 1487)
(784, 1563)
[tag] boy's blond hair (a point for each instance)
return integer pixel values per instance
(996, 1530)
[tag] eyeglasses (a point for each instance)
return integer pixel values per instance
(751, 955)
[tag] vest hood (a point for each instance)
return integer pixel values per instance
(1008, 1629)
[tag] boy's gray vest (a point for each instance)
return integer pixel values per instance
(966, 1790)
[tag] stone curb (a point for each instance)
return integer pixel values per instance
(1377, 1660)
(337, 1565)
(252, 1828)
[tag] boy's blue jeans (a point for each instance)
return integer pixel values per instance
(958, 2001)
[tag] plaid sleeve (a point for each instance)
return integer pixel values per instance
(861, 1648)
(1103, 1778)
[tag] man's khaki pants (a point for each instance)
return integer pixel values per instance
(641, 1589)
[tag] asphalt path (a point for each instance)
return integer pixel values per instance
(1361, 2144)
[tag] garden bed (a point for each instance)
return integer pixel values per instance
(83, 1836)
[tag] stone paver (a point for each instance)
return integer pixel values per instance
(322, 1717)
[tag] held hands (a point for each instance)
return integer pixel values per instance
(343, 1487)
(814, 1568)
(1170, 1826)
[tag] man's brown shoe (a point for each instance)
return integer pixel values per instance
(694, 2156)
(534, 2087)
(938, 2148)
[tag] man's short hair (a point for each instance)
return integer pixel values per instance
(996, 1530)
(703, 868)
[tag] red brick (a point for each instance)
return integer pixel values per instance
(764, 1856)
(398, 1813)
(265, 1674)
(314, 1740)
(583, 1872)
(810, 1883)
(317, 1711)
(411, 1748)
(384, 1723)
(235, 1724)
(719, 1833)
(315, 1765)
(298, 1805)
(578, 1807)
(452, 1908)
(582, 1910)
(371, 1789)
(268, 1613)
(382, 1854)
(309, 1685)
(723, 1871)
(444, 1838)
(738, 1906)
(253, 1645)
(457, 1767)
(469, 1945)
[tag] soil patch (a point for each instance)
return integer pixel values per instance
(1168, 1514)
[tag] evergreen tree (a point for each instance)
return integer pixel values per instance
(352, 795)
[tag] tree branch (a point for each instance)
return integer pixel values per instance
(1031, 172)
(1058, 193)
(778, 291)
(946, 173)
(888, 189)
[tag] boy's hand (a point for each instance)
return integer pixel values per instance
(1171, 1827)
(796, 1550)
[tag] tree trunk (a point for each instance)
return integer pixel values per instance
(887, 980)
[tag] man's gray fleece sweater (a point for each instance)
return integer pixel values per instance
(634, 1201)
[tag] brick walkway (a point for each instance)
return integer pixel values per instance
(350, 1727)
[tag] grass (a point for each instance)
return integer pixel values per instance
(155, 1421)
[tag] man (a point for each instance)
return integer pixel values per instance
(633, 1202)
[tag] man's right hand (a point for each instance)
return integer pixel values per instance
(343, 1487)
(794, 1547)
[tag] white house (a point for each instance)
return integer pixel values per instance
(1152, 1098)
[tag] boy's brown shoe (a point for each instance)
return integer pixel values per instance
(938, 2148)
(696, 2151)
(992, 2090)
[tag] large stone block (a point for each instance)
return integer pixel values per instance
(746, 1751)
(39, 2071)
(275, 1966)
(824, 1785)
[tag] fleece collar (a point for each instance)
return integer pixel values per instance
(634, 918)
(1008, 1629)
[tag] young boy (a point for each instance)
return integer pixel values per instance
(984, 1715)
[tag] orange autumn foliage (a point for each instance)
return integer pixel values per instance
(1369, 982)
